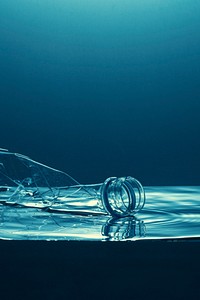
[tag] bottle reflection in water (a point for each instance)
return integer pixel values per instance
(24, 182)
(118, 229)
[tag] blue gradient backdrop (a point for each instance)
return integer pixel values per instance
(103, 88)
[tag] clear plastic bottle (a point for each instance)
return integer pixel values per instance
(25, 182)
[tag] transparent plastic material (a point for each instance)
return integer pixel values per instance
(24, 182)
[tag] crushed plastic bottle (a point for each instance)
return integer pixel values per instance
(25, 182)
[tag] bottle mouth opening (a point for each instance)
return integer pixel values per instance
(122, 196)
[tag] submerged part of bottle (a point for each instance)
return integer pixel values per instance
(24, 182)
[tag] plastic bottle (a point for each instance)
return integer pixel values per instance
(25, 182)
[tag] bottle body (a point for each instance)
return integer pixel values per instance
(28, 183)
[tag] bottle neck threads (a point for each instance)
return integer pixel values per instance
(122, 196)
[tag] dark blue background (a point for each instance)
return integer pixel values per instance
(103, 88)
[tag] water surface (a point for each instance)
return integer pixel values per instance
(170, 213)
